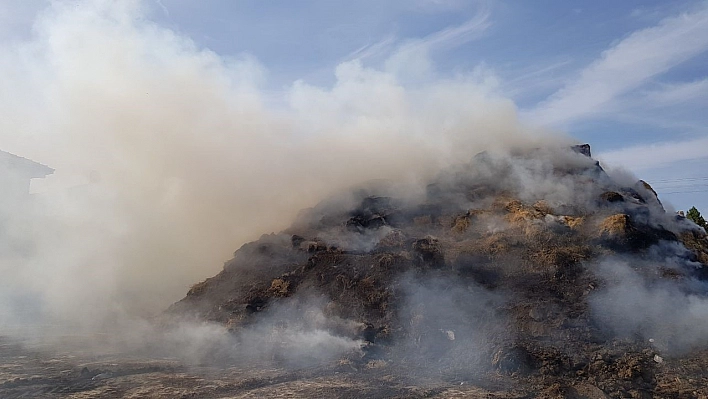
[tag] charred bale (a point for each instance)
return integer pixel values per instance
(429, 253)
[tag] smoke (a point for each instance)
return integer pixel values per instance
(296, 332)
(449, 327)
(168, 156)
(640, 299)
(554, 174)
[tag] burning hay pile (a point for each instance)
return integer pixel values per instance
(535, 268)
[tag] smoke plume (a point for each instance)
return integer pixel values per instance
(168, 156)
(669, 314)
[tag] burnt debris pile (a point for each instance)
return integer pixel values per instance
(535, 265)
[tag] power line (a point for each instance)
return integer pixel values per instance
(685, 183)
(681, 179)
(680, 186)
(685, 192)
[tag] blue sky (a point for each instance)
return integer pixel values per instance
(628, 77)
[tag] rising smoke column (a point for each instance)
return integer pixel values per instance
(189, 158)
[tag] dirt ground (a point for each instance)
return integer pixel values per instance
(35, 371)
(38, 371)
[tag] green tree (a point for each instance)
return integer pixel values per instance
(696, 217)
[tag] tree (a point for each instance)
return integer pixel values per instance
(696, 217)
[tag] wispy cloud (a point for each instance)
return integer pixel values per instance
(162, 7)
(625, 67)
(643, 157)
(372, 50)
(456, 35)
(535, 78)
(668, 106)
(440, 5)
(411, 60)
(444, 39)
(677, 93)
(671, 107)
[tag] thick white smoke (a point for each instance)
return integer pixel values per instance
(177, 155)
(669, 313)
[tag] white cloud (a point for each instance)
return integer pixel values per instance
(535, 78)
(677, 93)
(410, 52)
(440, 6)
(162, 7)
(626, 66)
(668, 106)
(644, 157)
(372, 50)
(412, 56)
(456, 35)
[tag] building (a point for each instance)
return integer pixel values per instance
(16, 208)
(16, 173)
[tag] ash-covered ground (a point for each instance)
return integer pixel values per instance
(36, 371)
(533, 274)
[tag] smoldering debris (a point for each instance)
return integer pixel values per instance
(481, 275)
(477, 278)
